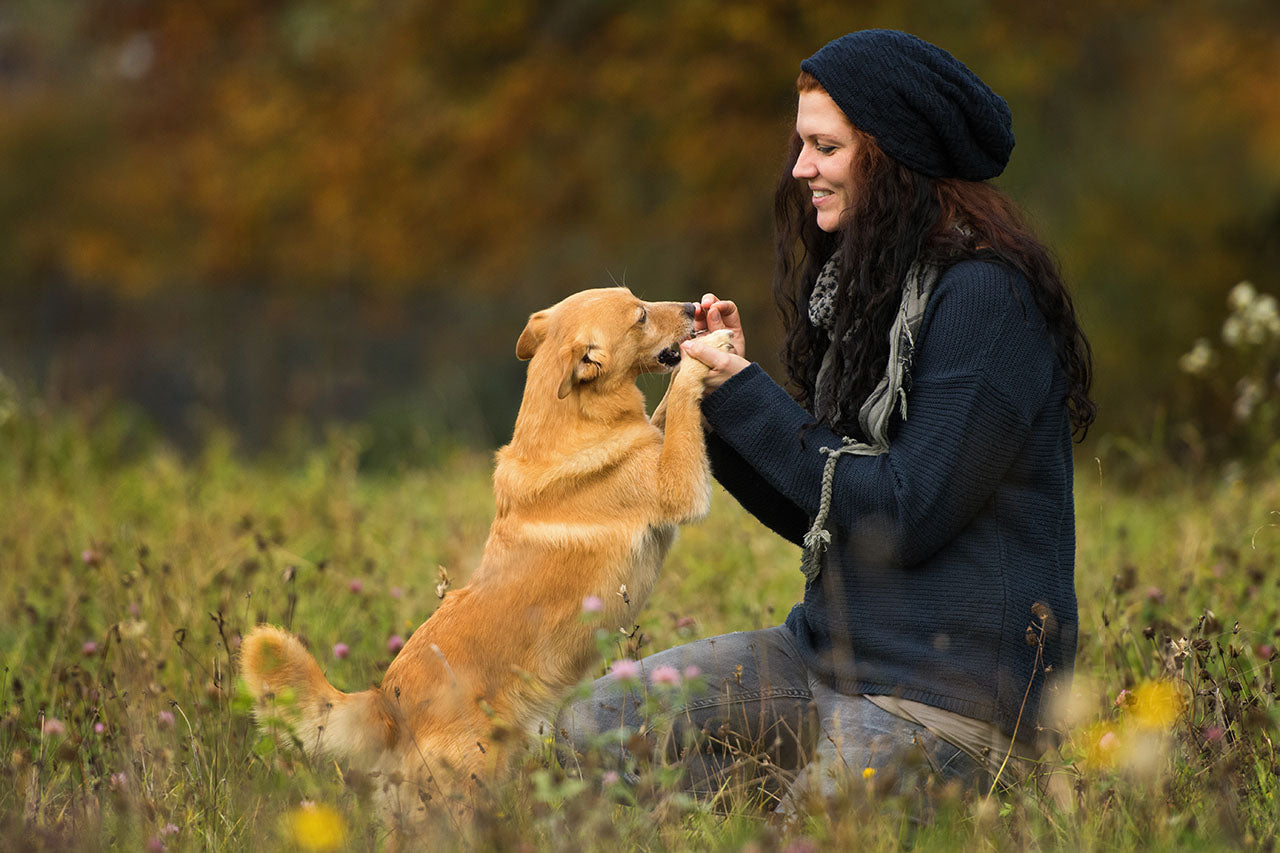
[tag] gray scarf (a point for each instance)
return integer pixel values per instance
(889, 394)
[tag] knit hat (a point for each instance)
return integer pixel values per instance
(922, 105)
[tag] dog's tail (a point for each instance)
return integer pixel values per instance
(288, 687)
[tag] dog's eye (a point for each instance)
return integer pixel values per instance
(644, 315)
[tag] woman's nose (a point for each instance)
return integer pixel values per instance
(804, 168)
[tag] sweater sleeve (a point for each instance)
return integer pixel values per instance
(755, 494)
(983, 370)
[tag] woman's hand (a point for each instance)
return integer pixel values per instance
(712, 315)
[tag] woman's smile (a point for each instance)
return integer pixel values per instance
(826, 159)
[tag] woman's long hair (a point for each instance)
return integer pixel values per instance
(898, 216)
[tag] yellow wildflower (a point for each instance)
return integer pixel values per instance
(1101, 745)
(1156, 704)
(869, 773)
(316, 827)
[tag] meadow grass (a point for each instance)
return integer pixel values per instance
(130, 572)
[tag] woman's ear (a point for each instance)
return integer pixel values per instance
(583, 362)
(535, 331)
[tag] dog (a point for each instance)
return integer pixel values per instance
(589, 493)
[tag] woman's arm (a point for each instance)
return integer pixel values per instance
(730, 469)
(983, 371)
(755, 494)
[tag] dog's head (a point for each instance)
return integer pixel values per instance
(607, 335)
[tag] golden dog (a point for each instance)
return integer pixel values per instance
(589, 493)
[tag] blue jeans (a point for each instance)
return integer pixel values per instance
(764, 717)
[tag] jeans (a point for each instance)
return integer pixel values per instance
(765, 718)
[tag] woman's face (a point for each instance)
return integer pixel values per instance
(826, 160)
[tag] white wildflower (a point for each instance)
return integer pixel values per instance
(1241, 296)
(1265, 315)
(1233, 331)
(1254, 317)
(1248, 394)
(1199, 360)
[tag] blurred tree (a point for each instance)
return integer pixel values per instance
(527, 148)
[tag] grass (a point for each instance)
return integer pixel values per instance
(131, 572)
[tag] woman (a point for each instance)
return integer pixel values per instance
(924, 460)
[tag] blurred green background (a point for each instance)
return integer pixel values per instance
(266, 215)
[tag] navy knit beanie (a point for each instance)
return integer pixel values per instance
(922, 105)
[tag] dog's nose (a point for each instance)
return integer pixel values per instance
(691, 308)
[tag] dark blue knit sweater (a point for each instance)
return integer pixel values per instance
(941, 547)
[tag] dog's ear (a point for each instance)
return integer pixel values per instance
(533, 335)
(583, 362)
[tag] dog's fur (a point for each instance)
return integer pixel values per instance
(589, 493)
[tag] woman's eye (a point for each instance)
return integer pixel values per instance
(825, 149)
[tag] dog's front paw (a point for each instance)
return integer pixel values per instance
(721, 339)
(690, 373)
(694, 371)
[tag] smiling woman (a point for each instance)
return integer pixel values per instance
(923, 460)
(829, 149)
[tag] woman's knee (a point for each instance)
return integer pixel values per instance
(746, 692)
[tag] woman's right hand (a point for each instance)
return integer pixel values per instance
(714, 313)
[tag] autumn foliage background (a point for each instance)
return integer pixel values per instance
(267, 215)
(263, 264)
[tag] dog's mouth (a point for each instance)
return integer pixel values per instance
(670, 356)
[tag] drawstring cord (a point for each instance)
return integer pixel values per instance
(818, 537)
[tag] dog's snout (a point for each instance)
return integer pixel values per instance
(691, 308)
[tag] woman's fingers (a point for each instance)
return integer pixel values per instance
(723, 314)
(723, 364)
(712, 357)
(713, 314)
(700, 313)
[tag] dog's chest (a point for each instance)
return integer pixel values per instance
(649, 548)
